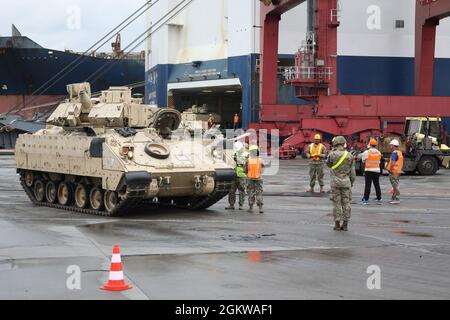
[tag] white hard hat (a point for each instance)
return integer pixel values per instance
(238, 146)
(395, 143)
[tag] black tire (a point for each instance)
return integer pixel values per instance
(157, 151)
(39, 191)
(51, 192)
(428, 166)
(65, 194)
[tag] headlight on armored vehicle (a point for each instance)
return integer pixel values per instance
(127, 152)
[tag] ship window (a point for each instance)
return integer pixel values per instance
(399, 24)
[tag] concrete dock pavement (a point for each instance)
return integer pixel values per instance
(290, 252)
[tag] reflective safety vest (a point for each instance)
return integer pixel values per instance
(373, 160)
(240, 161)
(316, 151)
(398, 166)
(254, 168)
(341, 161)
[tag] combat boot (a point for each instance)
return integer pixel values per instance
(241, 207)
(310, 190)
(261, 211)
(345, 226)
(322, 189)
(337, 226)
(230, 208)
(250, 210)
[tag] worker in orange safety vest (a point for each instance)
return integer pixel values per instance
(395, 167)
(254, 179)
(372, 171)
(317, 153)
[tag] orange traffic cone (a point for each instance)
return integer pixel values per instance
(116, 280)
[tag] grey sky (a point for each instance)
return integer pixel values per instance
(52, 23)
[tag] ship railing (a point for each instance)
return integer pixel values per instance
(293, 73)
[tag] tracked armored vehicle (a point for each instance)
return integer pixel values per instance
(105, 155)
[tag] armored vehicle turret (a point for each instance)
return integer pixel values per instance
(196, 118)
(104, 155)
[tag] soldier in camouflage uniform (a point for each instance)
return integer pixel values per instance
(395, 168)
(254, 179)
(343, 175)
(240, 157)
(316, 152)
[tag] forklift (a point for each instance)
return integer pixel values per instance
(424, 146)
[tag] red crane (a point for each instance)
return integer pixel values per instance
(315, 79)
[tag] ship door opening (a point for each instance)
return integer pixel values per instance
(223, 99)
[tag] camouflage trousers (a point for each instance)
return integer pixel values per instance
(255, 192)
(342, 198)
(238, 185)
(395, 181)
(316, 173)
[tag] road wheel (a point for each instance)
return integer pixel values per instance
(50, 192)
(39, 191)
(81, 196)
(111, 200)
(64, 194)
(96, 199)
(428, 166)
(29, 178)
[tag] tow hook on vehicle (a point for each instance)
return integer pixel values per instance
(164, 182)
(204, 184)
(198, 183)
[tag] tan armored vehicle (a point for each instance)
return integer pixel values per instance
(196, 118)
(103, 156)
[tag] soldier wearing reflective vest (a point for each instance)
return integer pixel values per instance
(395, 167)
(372, 171)
(240, 155)
(316, 152)
(254, 179)
(343, 175)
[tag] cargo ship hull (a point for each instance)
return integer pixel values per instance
(26, 67)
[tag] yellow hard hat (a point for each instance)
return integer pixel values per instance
(317, 137)
(253, 148)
